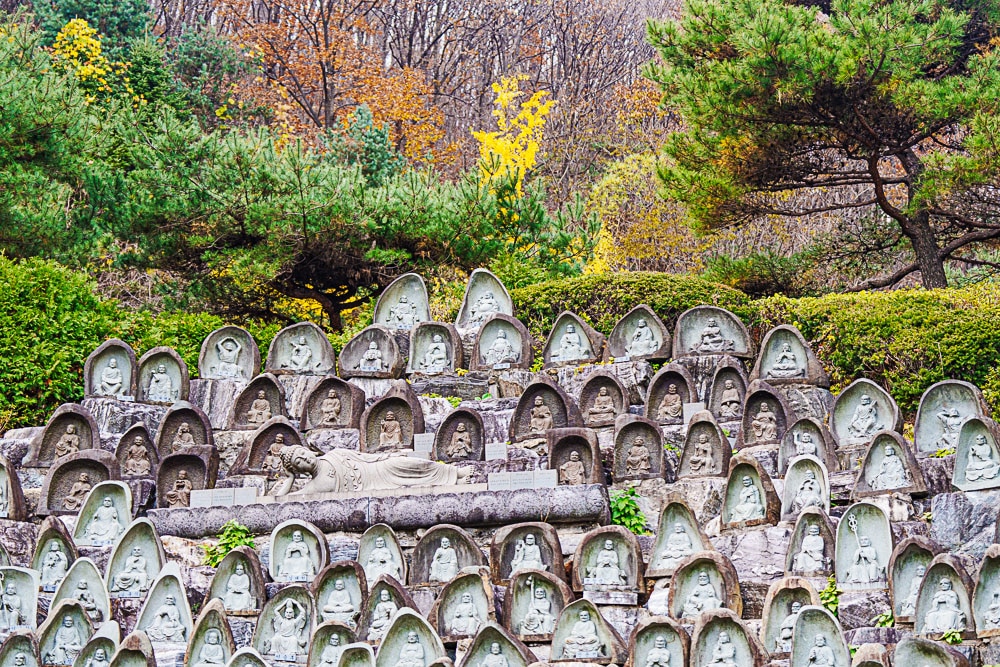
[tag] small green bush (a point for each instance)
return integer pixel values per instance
(625, 511)
(829, 597)
(234, 534)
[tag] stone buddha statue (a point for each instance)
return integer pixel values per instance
(104, 526)
(77, 493)
(161, 387)
(289, 625)
(330, 657)
(764, 424)
(573, 472)
(339, 606)
(711, 340)
(981, 463)
(166, 625)
(605, 569)
(260, 409)
(527, 555)
(730, 402)
(465, 619)
(412, 653)
(381, 560)
(891, 473)
(671, 406)
(538, 619)
(865, 567)
(330, 408)
(750, 507)
(211, 652)
(390, 432)
(137, 463)
(180, 495)
(724, 653)
(302, 354)
(484, 307)
(444, 564)
(812, 554)
(865, 421)
(228, 350)
(435, 359)
(371, 360)
(703, 459)
(946, 611)
(237, 596)
(821, 655)
(541, 417)
(297, 564)
(54, 565)
(638, 462)
(783, 642)
(808, 493)
(643, 341)
(703, 597)
(500, 351)
(403, 315)
(583, 641)
(383, 612)
(570, 346)
(785, 364)
(460, 445)
(134, 577)
(908, 606)
(603, 409)
(183, 438)
(677, 548)
(68, 443)
(112, 380)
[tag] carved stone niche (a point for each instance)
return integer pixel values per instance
(727, 391)
(944, 601)
(11, 497)
(243, 595)
(435, 347)
(70, 429)
(379, 434)
(806, 485)
(977, 456)
(24, 583)
(864, 545)
(639, 334)
(229, 353)
(807, 437)
(441, 553)
(706, 450)
(907, 567)
(704, 581)
(782, 604)
(66, 625)
(658, 640)
(298, 552)
(136, 455)
(262, 453)
(54, 552)
(211, 639)
(608, 559)
(721, 638)
(180, 474)
(705, 330)
(669, 390)
(786, 358)
(403, 304)
(543, 406)
(357, 655)
(285, 625)
(943, 409)
(638, 449)
(340, 409)
(328, 642)
(582, 635)
(464, 605)
(380, 554)
(20, 649)
(340, 591)
(766, 416)
(409, 637)
(871, 655)
(493, 640)
(502, 342)
(532, 604)
(101, 647)
(861, 411)
(986, 596)
(185, 425)
(460, 437)
(602, 399)
(678, 536)
(135, 560)
(300, 349)
(818, 632)
(259, 401)
(576, 455)
(888, 467)
(104, 379)
(373, 353)
(385, 598)
(106, 512)
(750, 498)
(484, 297)
(166, 598)
(572, 342)
(521, 546)
(72, 477)
(811, 550)
(918, 651)
(163, 377)
(137, 651)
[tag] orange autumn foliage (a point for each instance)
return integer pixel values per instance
(318, 63)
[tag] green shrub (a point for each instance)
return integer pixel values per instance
(625, 511)
(602, 300)
(234, 534)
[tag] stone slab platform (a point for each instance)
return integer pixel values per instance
(471, 506)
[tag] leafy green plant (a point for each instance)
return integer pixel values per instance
(943, 452)
(233, 535)
(454, 400)
(953, 637)
(884, 620)
(829, 597)
(625, 511)
(927, 516)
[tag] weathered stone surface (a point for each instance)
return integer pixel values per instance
(215, 397)
(474, 507)
(965, 523)
(858, 608)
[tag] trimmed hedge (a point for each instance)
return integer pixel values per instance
(51, 320)
(602, 300)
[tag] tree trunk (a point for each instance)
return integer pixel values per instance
(925, 250)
